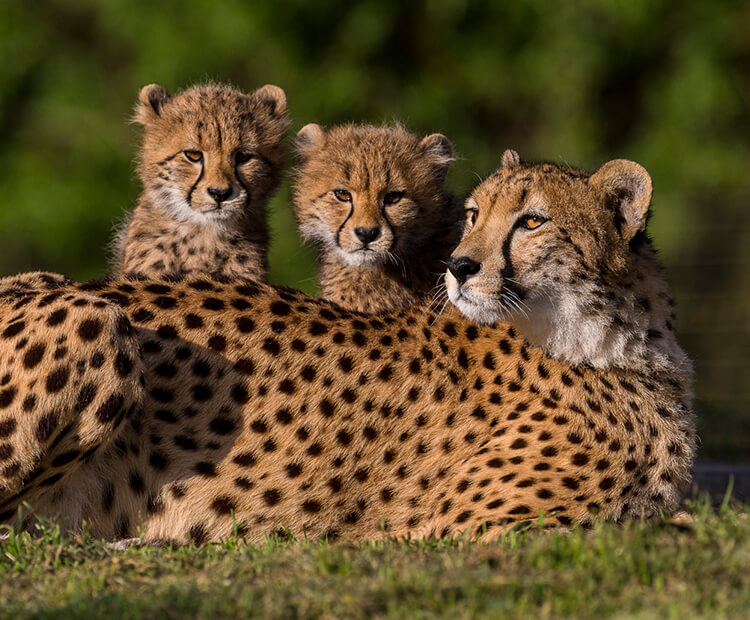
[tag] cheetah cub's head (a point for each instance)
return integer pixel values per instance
(211, 152)
(369, 194)
(565, 256)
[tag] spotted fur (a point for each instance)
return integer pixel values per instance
(372, 200)
(265, 410)
(70, 380)
(207, 215)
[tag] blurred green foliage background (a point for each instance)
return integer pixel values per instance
(662, 82)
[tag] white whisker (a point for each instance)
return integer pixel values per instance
(437, 299)
(441, 310)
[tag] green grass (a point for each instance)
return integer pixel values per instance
(676, 568)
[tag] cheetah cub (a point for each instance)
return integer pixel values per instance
(210, 160)
(372, 200)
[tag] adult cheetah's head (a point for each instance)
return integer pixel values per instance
(540, 233)
(211, 151)
(369, 194)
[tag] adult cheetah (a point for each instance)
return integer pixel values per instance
(266, 409)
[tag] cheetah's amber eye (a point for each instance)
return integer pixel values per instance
(533, 222)
(342, 195)
(194, 156)
(391, 198)
(242, 157)
(471, 215)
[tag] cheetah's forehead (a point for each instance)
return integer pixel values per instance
(210, 117)
(377, 171)
(528, 186)
(372, 167)
(213, 127)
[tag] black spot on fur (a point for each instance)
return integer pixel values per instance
(89, 329)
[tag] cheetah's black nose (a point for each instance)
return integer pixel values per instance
(366, 235)
(219, 194)
(463, 268)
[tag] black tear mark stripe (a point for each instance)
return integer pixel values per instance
(194, 185)
(508, 271)
(351, 212)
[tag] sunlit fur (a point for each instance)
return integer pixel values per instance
(585, 285)
(194, 408)
(416, 233)
(178, 226)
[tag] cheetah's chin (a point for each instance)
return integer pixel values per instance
(224, 212)
(472, 306)
(363, 258)
(476, 313)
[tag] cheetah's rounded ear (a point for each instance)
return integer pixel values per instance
(273, 97)
(439, 149)
(625, 188)
(510, 159)
(310, 138)
(151, 100)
